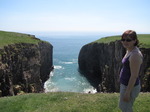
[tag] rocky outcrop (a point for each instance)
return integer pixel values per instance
(24, 67)
(101, 64)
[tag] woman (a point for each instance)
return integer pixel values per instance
(129, 75)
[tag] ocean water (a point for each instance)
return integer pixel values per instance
(65, 76)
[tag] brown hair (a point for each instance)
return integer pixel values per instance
(131, 34)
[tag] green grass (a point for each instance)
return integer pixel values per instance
(13, 37)
(144, 40)
(69, 102)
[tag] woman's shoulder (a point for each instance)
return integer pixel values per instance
(136, 56)
(137, 53)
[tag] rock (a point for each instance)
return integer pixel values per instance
(26, 65)
(100, 63)
(0, 93)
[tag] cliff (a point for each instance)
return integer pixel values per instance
(24, 67)
(101, 64)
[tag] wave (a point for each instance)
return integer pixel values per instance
(50, 86)
(58, 67)
(68, 62)
(70, 79)
(70, 85)
(90, 90)
(51, 74)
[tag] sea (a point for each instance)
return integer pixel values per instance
(65, 76)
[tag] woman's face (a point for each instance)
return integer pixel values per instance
(127, 42)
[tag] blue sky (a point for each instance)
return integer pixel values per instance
(75, 15)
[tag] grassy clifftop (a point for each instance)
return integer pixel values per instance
(143, 38)
(13, 37)
(69, 102)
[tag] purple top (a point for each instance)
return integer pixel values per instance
(125, 72)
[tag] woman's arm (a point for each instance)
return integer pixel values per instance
(135, 63)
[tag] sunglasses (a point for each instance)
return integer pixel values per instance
(127, 40)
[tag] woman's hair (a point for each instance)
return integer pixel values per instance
(131, 34)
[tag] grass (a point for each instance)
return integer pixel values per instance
(13, 37)
(144, 40)
(69, 102)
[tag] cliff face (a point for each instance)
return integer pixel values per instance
(24, 67)
(101, 64)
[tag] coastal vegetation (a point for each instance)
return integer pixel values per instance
(144, 40)
(7, 38)
(69, 102)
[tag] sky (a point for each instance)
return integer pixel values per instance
(75, 15)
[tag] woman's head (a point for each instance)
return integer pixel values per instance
(130, 34)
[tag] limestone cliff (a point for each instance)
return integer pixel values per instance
(101, 64)
(24, 67)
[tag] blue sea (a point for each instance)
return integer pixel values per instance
(65, 76)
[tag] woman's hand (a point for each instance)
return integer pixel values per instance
(126, 97)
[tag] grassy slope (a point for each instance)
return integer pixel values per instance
(12, 37)
(69, 102)
(143, 38)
